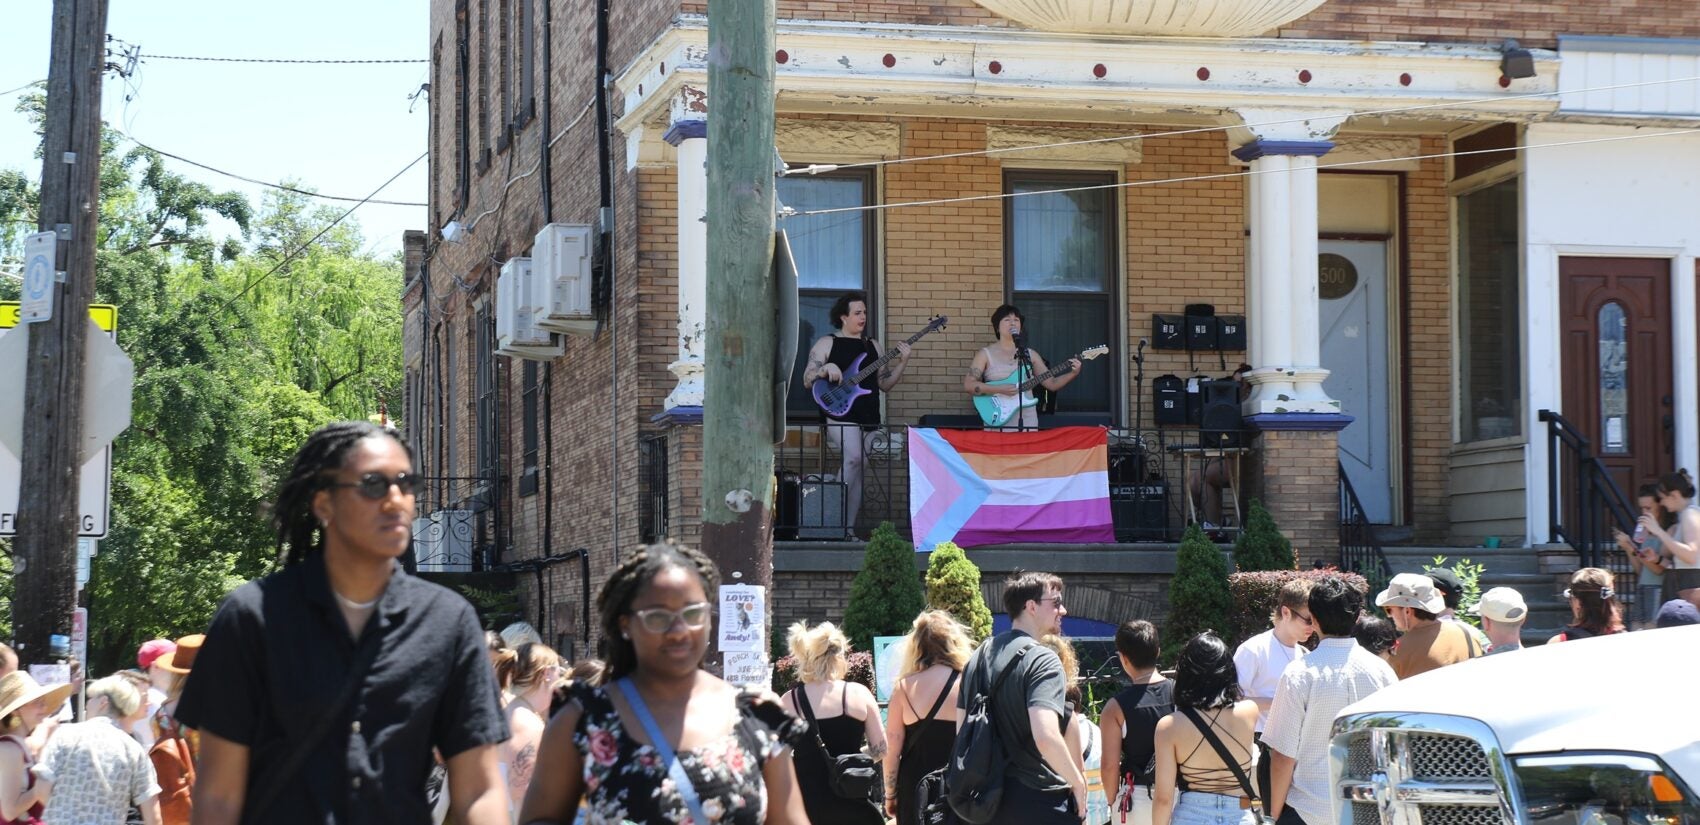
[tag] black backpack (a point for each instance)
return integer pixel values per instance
(974, 778)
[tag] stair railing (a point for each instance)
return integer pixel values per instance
(1360, 549)
(1584, 502)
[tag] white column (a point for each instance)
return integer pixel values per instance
(690, 141)
(1686, 340)
(1271, 224)
(1306, 329)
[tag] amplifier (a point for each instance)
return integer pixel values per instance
(810, 507)
(1140, 512)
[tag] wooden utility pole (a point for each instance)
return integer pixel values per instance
(45, 551)
(737, 451)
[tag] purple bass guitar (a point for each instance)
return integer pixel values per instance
(837, 398)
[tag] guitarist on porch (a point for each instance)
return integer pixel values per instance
(1000, 360)
(831, 358)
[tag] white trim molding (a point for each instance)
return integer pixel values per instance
(1195, 18)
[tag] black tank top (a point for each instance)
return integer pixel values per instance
(1142, 706)
(866, 409)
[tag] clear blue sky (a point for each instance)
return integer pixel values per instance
(340, 129)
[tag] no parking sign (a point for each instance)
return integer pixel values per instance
(39, 257)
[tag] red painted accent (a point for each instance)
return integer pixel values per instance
(889, 61)
(782, 56)
(1405, 79)
(640, 90)
(1304, 75)
(994, 67)
(663, 67)
(1099, 70)
(1504, 82)
(1203, 73)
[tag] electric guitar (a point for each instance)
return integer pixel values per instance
(837, 398)
(998, 410)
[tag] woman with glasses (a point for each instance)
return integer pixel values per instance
(843, 717)
(658, 739)
(1682, 542)
(322, 689)
(1594, 609)
(530, 673)
(1214, 778)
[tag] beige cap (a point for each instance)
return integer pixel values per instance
(1502, 604)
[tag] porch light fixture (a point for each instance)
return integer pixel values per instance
(1515, 61)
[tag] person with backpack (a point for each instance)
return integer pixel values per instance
(920, 727)
(1129, 725)
(1014, 689)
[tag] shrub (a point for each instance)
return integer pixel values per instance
(1470, 577)
(1260, 545)
(886, 596)
(1198, 594)
(861, 671)
(1254, 597)
(953, 585)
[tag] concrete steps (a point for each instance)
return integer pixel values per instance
(1538, 573)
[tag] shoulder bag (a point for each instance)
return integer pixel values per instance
(851, 776)
(279, 779)
(1222, 751)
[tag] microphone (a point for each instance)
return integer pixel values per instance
(1020, 344)
(1139, 355)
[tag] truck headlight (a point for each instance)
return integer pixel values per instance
(1603, 789)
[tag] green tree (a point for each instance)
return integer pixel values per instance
(1260, 545)
(1199, 599)
(886, 595)
(953, 585)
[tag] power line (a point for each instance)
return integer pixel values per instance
(299, 61)
(256, 182)
(332, 225)
(876, 207)
(23, 87)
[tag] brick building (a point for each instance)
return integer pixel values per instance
(1427, 253)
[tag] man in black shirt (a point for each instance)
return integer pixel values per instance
(1042, 783)
(321, 691)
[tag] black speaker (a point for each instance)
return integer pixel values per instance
(1221, 422)
(1201, 332)
(1168, 400)
(1127, 465)
(1140, 511)
(1195, 399)
(1167, 332)
(1230, 333)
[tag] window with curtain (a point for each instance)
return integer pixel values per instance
(1060, 270)
(1490, 397)
(834, 254)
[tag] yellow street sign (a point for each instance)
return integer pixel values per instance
(104, 316)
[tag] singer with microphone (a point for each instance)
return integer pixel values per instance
(1001, 368)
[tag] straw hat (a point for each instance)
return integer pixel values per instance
(1412, 590)
(182, 657)
(18, 689)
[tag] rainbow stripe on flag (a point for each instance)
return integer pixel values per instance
(978, 487)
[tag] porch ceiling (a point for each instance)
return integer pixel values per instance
(875, 69)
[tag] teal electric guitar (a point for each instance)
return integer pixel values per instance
(999, 410)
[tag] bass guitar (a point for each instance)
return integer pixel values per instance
(837, 398)
(999, 410)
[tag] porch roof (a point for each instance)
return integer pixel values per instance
(945, 71)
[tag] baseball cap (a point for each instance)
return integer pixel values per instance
(1446, 581)
(1502, 604)
(1412, 590)
(1676, 613)
(151, 650)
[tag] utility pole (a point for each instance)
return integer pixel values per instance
(44, 582)
(737, 451)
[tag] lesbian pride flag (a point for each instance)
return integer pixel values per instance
(979, 487)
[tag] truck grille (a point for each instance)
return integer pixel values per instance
(1365, 813)
(1435, 757)
(1360, 763)
(1459, 815)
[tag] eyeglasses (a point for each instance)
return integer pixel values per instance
(376, 486)
(1603, 592)
(1057, 599)
(1304, 617)
(660, 619)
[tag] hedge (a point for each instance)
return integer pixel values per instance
(1255, 593)
(861, 671)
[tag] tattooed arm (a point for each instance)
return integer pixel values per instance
(817, 366)
(892, 372)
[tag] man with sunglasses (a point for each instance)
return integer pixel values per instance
(1261, 658)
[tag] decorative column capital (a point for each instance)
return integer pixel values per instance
(683, 130)
(1284, 125)
(1263, 148)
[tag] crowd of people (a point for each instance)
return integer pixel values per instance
(342, 689)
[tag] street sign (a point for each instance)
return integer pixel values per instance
(40, 255)
(85, 555)
(80, 636)
(108, 378)
(94, 490)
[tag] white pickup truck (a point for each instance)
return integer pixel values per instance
(1602, 731)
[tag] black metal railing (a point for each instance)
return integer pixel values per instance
(1149, 472)
(1584, 503)
(456, 529)
(1360, 548)
(653, 490)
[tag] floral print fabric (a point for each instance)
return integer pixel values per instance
(626, 782)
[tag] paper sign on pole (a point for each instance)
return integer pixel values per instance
(745, 668)
(80, 634)
(743, 613)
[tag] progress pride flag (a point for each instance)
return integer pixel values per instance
(978, 487)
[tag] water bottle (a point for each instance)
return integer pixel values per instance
(1640, 534)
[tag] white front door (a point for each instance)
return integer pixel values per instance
(1355, 322)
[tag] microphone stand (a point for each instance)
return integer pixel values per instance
(1023, 367)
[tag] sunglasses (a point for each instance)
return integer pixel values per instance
(1603, 592)
(1057, 599)
(660, 619)
(376, 486)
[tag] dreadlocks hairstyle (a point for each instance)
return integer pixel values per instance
(325, 451)
(616, 597)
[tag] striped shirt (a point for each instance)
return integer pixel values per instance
(1311, 692)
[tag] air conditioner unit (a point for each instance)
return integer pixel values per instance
(442, 542)
(517, 333)
(561, 255)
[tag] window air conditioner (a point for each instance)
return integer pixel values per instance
(517, 333)
(561, 256)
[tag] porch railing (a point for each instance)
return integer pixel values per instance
(456, 528)
(1360, 549)
(1584, 502)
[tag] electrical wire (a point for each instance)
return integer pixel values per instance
(870, 164)
(302, 61)
(256, 182)
(23, 87)
(1222, 175)
(473, 224)
(332, 225)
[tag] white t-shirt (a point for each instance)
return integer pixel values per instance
(1301, 720)
(1260, 660)
(143, 730)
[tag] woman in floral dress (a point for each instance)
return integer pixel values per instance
(733, 747)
